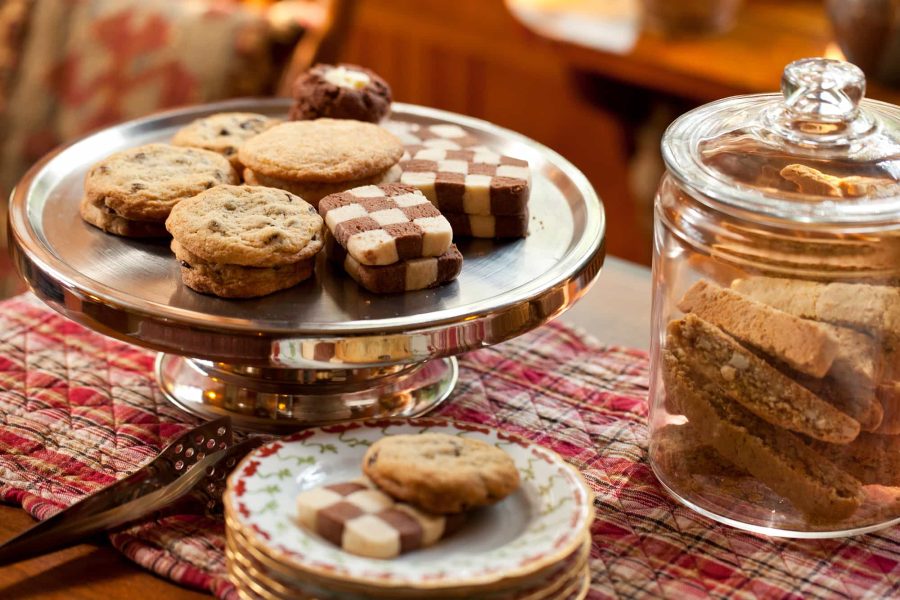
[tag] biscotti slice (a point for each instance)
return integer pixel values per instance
(858, 402)
(871, 308)
(755, 384)
(682, 450)
(776, 457)
(888, 394)
(871, 458)
(803, 345)
(382, 224)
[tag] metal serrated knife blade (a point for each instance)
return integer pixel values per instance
(192, 464)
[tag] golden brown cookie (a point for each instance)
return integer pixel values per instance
(441, 473)
(250, 226)
(236, 281)
(323, 151)
(101, 216)
(313, 192)
(144, 183)
(223, 133)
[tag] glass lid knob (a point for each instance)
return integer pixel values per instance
(822, 90)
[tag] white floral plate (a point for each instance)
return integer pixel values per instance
(540, 524)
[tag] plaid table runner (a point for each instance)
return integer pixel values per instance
(78, 410)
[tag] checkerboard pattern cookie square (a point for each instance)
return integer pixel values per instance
(382, 224)
(469, 182)
(445, 136)
(402, 276)
(489, 226)
(364, 520)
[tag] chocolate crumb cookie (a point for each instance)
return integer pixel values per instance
(144, 183)
(340, 92)
(223, 133)
(441, 473)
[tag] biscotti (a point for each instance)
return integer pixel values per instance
(803, 345)
(871, 308)
(871, 458)
(751, 381)
(776, 457)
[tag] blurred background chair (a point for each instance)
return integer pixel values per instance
(70, 67)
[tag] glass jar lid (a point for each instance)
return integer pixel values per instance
(817, 153)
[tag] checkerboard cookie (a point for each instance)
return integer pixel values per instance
(223, 133)
(444, 135)
(380, 225)
(402, 276)
(469, 182)
(441, 473)
(144, 183)
(489, 226)
(365, 521)
(340, 92)
(243, 241)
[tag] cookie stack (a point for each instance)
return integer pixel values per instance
(438, 514)
(131, 192)
(482, 193)
(389, 238)
(244, 241)
(313, 159)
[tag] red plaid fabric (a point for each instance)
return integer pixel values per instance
(78, 410)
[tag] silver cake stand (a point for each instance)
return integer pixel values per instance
(326, 350)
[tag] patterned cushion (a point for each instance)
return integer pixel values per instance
(87, 64)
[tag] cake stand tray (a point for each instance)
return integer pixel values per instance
(325, 350)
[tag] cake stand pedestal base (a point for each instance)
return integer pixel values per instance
(280, 400)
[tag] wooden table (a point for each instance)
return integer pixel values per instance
(616, 310)
(748, 59)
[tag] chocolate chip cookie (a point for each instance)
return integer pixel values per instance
(223, 133)
(144, 183)
(244, 241)
(441, 473)
(251, 226)
(340, 92)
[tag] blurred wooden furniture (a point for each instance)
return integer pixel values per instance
(321, 43)
(748, 59)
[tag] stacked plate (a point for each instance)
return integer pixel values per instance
(533, 545)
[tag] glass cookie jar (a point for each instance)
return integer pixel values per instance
(775, 381)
